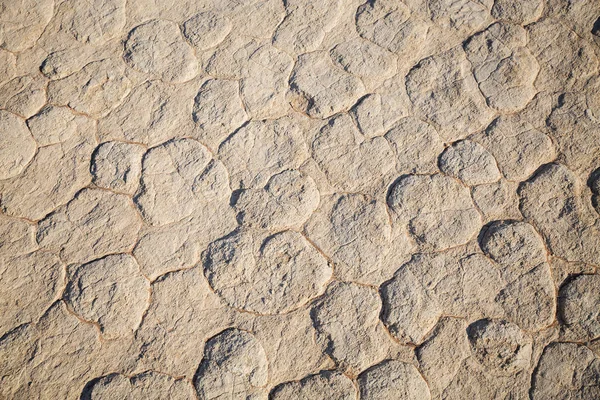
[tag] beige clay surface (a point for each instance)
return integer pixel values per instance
(300, 199)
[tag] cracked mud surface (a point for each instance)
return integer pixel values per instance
(294, 199)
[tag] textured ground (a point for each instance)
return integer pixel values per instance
(296, 199)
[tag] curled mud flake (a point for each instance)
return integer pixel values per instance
(16, 347)
(580, 17)
(566, 59)
(95, 223)
(173, 337)
(261, 149)
(218, 110)
(355, 231)
(497, 200)
(24, 95)
(442, 354)
(530, 300)
(94, 90)
(263, 91)
(393, 379)
(364, 59)
(594, 184)
(518, 147)
(443, 91)
(563, 270)
(23, 22)
(234, 364)
(566, 369)
(94, 22)
(463, 17)
(479, 281)
(64, 62)
(267, 274)
(470, 162)
(117, 166)
(178, 245)
(229, 60)
(503, 67)
(574, 127)
(206, 29)
(348, 328)
(169, 249)
(320, 89)
(552, 201)
(431, 285)
(500, 347)
(579, 308)
(59, 168)
(253, 199)
(41, 273)
(58, 347)
(110, 292)
(149, 385)
(17, 146)
(17, 237)
(8, 67)
(476, 381)
(179, 179)
(158, 48)
(416, 146)
(295, 354)
(327, 384)
(592, 100)
(287, 201)
(410, 310)
(380, 112)
(351, 162)
(437, 210)
(518, 12)
(514, 245)
(153, 113)
(367, 115)
(306, 24)
(391, 25)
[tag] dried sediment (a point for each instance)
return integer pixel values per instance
(277, 199)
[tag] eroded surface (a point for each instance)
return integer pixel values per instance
(294, 199)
